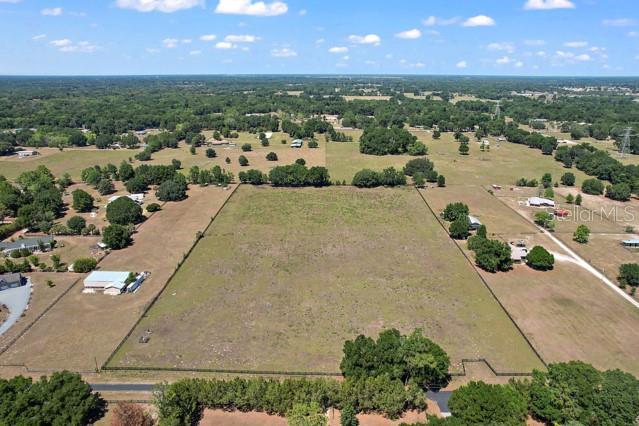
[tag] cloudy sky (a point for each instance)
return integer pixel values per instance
(488, 37)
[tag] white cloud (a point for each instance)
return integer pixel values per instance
(409, 34)
(519, 64)
(571, 57)
(621, 22)
(37, 37)
(302, 12)
(535, 42)
(633, 34)
(61, 43)
(152, 50)
(504, 46)
(166, 6)
(369, 62)
(584, 57)
(243, 38)
(479, 21)
(434, 20)
(187, 41)
(248, 7)
(462, 64)
(576, 44)
(388, 56)
(338, 49)
(170, 43)
(420, 65)
(373, 39)
(346, 58)
(320, 41)
(54, 11)
(284, 52)
(548, 4)
(195, 52)
(225, 45)
(503, 60)
(540, 53)
(10, 1)
(208, 37)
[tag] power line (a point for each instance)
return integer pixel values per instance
(626, 141)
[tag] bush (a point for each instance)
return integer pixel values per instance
(369, 179)
(243, 161)
(176, 164)
(418, 180)
(459, 228)
(421, 165)
(540, 259)
(455, 210)
(136, 185)
(210, 153)
(348, 416)
(116, 236)
(271, 156)
(253, 177)
(629, 274)
(306, 414)
(441, 181)
(592, 187)
(568, 179)
(581, 234)
(490, 255)
(463, 149)
(130, 414)
(76, 224)
(417, 148)
(124, 211)
(247, 147)
(153, 207)
(313, 144)
(82, 201)
(618, 192)
(84, 265)
(480, 403)
(300, 161)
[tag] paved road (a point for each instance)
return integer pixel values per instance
(16, 300)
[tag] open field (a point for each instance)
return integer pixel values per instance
(81, 330)
(567, 313)
(71, 160)
(503, 164)
(283, 277)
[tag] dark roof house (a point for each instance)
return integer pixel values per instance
(31, 243)
(11, 281)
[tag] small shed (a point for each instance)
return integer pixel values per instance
(474, 222)
(632, 243)
(540, 202)
(297, 143)
(518, 253)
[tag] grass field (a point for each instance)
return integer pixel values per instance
(283, 277)
(567, 313)
(82, 330)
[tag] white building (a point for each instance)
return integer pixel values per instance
(111, 282)
(540, 202)
(25, 154)
(138, 198)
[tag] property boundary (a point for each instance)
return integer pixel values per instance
(510, 317)
(157, 296)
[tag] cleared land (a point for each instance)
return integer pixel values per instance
(283, 277)
(567, 313)
(503, 164)
(82, 330)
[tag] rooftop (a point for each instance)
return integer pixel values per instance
(26, 242)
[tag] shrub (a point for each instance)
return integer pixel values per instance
(490, 255)
(441, 181)
(172, 190)
(540, 259)
(130, 414)
(176, 164)
(313, 144)
(417, 148)
(568, 179)
(136, 185)
(153, 207)
(253, 177)
(210, 153)
(581, 234)
(480, 403)
(570, 199)
(618, 192)
(592, 187)
(271, 156)
(247, 147)
(76, 224)
(306, 414)
(116, 236)
(463, 149)
(578, 200)
(243, 161)
(418, 180)
(84, 265)
(300, 161)
(82, 201)
(629, 274)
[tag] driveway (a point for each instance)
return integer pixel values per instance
(16, 299)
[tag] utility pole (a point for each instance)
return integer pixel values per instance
(498, 110)
(626, 141)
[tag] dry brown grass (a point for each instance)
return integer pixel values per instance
(83, 329)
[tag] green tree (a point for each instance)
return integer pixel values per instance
(348, 416)
(455, 210)
(629, 274)
(124, 211)
(441, 181)
(618, 192)
(271, 156)
(459, 228)
(172, 190)
(592, 187)
(568, 179)
(247, 147)
(570, 199)
(478, 403)
(243, 161)
(116, 236)
(546, 180)
(136, 185)
(418, 180)
(82, 201)
(176, 164)
(578, 200)
(581, 234)
(540, 259)
(125, 171)
(76, 224)
(417, 148)
(464, 149)
(418, 165)
(306, 414)
(210, 153)
(105, 187)
(153, 207)
(84, 265)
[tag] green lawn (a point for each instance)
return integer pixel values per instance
(283, 277)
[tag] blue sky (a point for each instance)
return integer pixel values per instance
(477, 37)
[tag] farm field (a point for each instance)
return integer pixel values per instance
(566, 313)
(82, 330)
(283, 277)
(503, 164)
